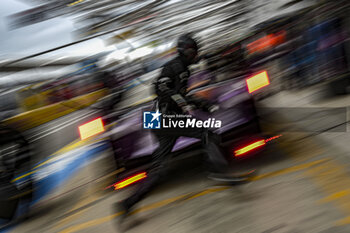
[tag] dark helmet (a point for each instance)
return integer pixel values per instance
(188, 47)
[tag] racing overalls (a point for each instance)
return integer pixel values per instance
(171, 88)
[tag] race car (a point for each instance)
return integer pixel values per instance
(25, 185)
(240, 132)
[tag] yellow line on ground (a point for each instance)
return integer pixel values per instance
(290, 169)
(95, 195)
(74, 216)
(162, 203)
(90, 223)
(159, 204)
(207, 191)
(335, 196)
(102, 220)
(331, 177)
(344, 221)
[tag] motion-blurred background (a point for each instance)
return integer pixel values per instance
(66, 62)
(49, 43)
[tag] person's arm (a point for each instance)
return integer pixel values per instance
(202, 104)
(167, 87)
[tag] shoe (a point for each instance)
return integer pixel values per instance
(233, 178)
(120, 208)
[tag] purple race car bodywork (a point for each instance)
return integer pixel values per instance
(237, 114)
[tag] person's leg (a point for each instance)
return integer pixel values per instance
(160, 158)
(214, 158)
(218, 166)
(215, 161)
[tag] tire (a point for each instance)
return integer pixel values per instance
(15, 157)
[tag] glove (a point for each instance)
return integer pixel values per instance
(213, 108)
(188, 108)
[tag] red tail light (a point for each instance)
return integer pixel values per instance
(244, 150)
(273, 138)
(130, 180)
(249, 147)
(257, 82)
(91, 128)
